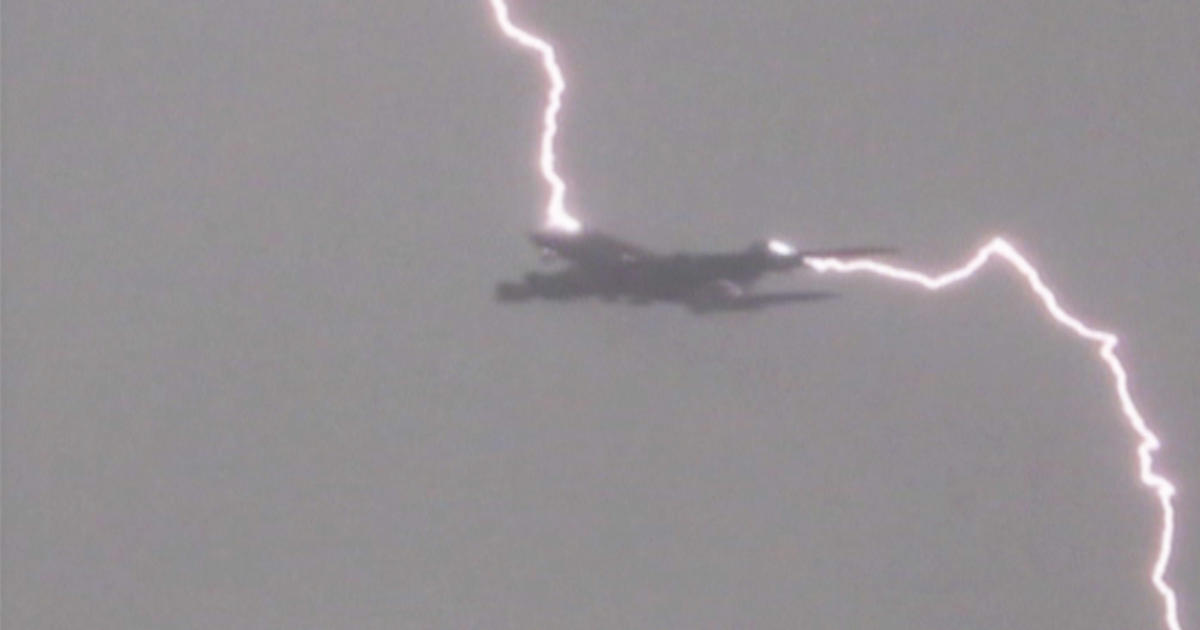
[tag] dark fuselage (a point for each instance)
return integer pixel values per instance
(601, 265)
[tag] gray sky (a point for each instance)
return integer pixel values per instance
(254, 376)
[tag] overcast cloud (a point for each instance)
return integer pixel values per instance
(254, 376)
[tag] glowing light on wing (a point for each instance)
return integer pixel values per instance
(1106, 344)
(557, 217)
(780, 248)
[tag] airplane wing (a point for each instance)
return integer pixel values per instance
(714, 295)
(723, 296)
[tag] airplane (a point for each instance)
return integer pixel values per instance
(601, 265)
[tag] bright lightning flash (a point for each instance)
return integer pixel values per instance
(1105, 343)
(780, 248)
(557, 217)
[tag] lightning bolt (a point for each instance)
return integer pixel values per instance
(558, 218)
(1106, 350)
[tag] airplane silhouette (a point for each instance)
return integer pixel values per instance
(607, 267)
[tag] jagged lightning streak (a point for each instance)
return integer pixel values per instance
(557, 217)
(1106, 344)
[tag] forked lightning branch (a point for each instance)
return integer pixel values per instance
(624, 268)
